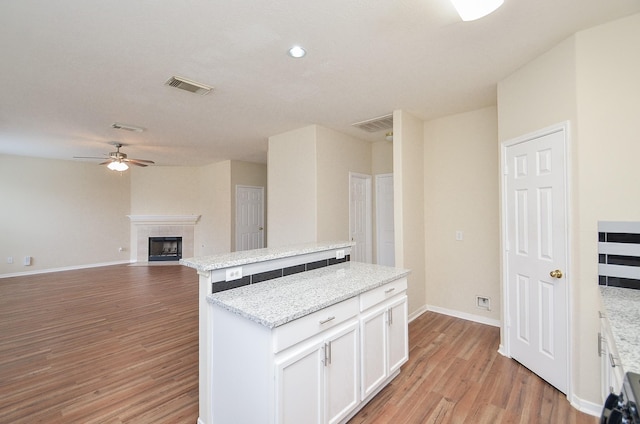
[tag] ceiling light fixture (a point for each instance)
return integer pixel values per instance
(297, 52)
(118, 166)
(470, 10)
(389, 136)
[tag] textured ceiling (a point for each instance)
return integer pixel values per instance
(71, 68)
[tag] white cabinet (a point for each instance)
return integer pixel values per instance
(384, 336)
(318, 382)
(611, 372)
(309, 369)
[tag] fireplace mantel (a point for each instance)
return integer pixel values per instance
(164, 219)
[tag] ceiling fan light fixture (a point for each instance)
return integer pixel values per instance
(470, 10)
(118, 166)
(297, 52)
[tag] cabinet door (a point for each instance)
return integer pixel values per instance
(300, 386)
(341, 373)
(373, 346)
(398, 338)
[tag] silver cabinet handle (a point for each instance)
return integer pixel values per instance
(612, 359)
(389, 290)
(327, 320)
(329, 353)
(390, 316)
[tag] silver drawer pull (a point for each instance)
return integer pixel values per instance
(389, 290)
(327, 320)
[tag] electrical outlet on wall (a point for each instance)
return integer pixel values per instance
(483, 302)
(233, 274)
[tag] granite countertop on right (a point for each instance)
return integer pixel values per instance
(622, 307)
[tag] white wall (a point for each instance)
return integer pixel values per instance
(213, 231)
(62, 214)
(164, 190)
(461, 194)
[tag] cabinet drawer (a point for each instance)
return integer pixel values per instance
(375, 296)
(308, 326)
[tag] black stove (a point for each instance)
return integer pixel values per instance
(622, 408)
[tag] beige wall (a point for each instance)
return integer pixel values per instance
(247, 174)
(292, 187)
(590, 80)
(337, 155)
(606, 165)
(213, 231)
(461, 194)
(164, 190)
(62, 213)
(408, 186)
(382, 157)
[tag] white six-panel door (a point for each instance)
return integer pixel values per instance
(536, 291)
(249, 217)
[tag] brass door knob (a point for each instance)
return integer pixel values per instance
(556, 273)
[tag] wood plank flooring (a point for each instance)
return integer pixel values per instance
(119, 344)
(455, 375)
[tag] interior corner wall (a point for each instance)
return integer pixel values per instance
(607, 171)
(461, 194)
(247, 174)
(292, 187)
(213, 234)
(64, 214)
(337, 155)
(164, 190)
(408, 186)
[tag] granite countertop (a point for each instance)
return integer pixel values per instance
(275, 302)
(622, 308)
(226, 260)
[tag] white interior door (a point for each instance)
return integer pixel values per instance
(249, 217)
(360, 226)
(385, 240)
(537, 331)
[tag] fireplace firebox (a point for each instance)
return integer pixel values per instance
(165, 248)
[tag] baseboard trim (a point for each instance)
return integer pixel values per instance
(417, 313)
(586, 406)
(463, 315)
(66, 268)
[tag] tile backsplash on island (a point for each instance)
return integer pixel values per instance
(619, 254)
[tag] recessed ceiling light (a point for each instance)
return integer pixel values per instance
(297, 52)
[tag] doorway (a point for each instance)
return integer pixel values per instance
(249, 217)
(360, 227)
(535, 251)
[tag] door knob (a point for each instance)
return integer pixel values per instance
(260, 228)
(556, 273)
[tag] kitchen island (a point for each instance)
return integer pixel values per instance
(313, 346)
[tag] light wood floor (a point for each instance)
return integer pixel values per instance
(120, 345)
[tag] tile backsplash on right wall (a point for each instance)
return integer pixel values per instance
(619, 254)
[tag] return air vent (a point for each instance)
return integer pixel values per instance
(376, 124)
(188, 85)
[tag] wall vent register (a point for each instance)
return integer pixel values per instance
(619, 254)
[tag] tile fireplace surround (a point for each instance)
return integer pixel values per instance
(145, 226)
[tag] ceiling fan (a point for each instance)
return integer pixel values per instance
(117, 160)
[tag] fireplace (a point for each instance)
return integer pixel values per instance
(165, 248)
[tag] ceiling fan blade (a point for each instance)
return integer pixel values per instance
(139, 161)
(136, 163)
(88, 157)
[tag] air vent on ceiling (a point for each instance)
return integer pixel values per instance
(126, 127)
(376, 124)
(188, 85)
